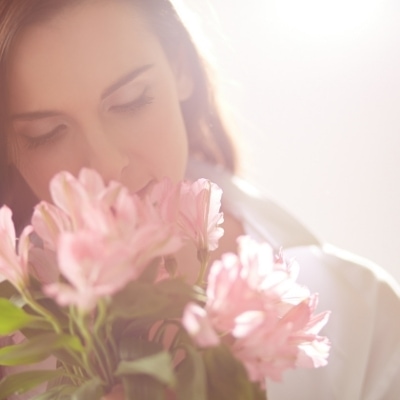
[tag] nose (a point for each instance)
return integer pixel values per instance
(105, 156)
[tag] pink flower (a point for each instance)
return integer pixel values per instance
(49, 222)
(68, 194)
(96, 266)
(86, 200)
(165, 197)
(199, 326)
(200, 217)
(257, 308)
(43, 265)
(104, 237)
(93, 267)
(13, 265)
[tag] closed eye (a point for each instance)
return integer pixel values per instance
(37, 141)
(134, 105)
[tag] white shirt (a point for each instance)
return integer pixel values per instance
(364, 327)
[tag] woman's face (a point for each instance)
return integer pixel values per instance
(92, 87)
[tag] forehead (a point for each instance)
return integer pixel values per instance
(82, 46)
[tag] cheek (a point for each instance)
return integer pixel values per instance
(38, 168)
(37, 178)
(170, 146)
(159, 141)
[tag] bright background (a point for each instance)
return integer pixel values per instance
(314, 90)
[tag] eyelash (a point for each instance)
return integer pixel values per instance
(134, 105)
(35, 142)
(131, 107)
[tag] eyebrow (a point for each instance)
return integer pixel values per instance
(31, 116)
(130, 76)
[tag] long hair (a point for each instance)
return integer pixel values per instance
(207, 137)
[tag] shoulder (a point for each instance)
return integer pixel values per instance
(364, 327)
(354, 288)
(325, 266)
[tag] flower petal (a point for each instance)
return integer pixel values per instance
(197, 324)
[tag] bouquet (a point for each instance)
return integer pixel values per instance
(96, 284)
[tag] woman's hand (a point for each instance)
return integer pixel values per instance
(116, 394)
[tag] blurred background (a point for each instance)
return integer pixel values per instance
(314, 94)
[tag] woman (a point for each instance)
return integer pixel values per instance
(117, 85)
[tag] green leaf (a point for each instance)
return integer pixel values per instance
(258, 393)
(226, 377)
(158, 366)
(177, 290)
(70, 392)
(137, 300)
(191, 376)
(24, 381)
(92, 390)
(178, 294)
(150, 273)
(37, 349)
(60, 313)
(14, 318)
(166, 299)
(142, 387)
(64, 380)
(131, 349)
(65, 356)
(136, 328)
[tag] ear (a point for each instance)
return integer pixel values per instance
(183, 76)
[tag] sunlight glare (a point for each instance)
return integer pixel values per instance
(323, 17)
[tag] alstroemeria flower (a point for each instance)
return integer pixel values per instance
(86, 199)
(199, 326)
(200, 217)
(43, 265)
(97, 265)
(104, 237)
(165, 197)
(256, 307)
(13, 264)
(48, 222)
(93, 268)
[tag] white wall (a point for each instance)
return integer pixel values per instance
(314, 88)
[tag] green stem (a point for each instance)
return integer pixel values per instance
(72, 374)
(41, 311)
(81, 363)
(101, 316)
(203, 256)
(92, 346)
(71, 327)
(74, 330)
(111, 340)
(103, 355)
(176, 343)
(100, 342)
(158, 336)
(80, 323)
(78, 372)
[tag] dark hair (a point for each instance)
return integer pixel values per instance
(207, 136)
